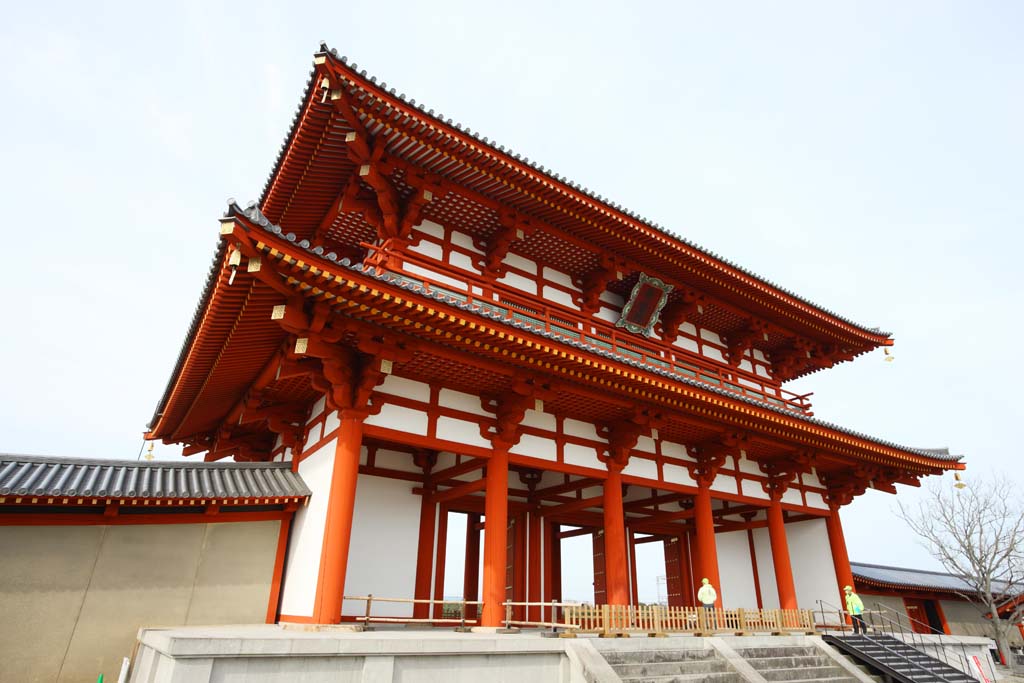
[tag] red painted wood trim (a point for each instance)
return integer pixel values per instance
(274, 600)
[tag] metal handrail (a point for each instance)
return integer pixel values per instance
(839, 611)
(882, 609)
(915, 638)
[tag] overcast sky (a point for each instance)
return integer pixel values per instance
(866, 155)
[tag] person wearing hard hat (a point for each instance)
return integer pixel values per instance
(855, 607)
(707, 594)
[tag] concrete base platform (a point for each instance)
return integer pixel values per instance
(265, 653)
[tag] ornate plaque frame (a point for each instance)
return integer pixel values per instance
(643, 309)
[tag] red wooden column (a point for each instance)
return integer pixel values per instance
(615, 567)
(673, 579)
(338, 525)
(634, 590)
(495, 537)
(425, 547)
(707, 552)
(471, 576)
(840, 559)
(442, 556)
(552, 565)
(533, 588)
(600, 568)
(780, 554)
(425, 554)
(685, 574)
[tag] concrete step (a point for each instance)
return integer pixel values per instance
(671, 668)
(780, 651)
(729, 677)
(645, 656)
(804, 672)
(789, 662)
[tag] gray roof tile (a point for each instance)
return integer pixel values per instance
(28, 475)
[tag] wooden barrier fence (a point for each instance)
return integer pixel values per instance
(459, 619)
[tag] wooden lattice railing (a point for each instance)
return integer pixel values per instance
(659, 619)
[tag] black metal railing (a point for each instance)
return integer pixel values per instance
(914, 638)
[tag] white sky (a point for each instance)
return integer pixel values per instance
(866, 155)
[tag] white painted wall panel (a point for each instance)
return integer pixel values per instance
(710, 336)
(583, 430)
(642, 467)
(815, 500)
(385, 538)
(558, 277)
(465, 241)
(712, 353)
(686, 343)
(670, 449)
(395, 460)
(318, 407)
(460, 431)
(748, 466)
(765, 569)
(725, 483)
(793, 497)
(675, 474)
(407, 388)
(457, 400)
(331, 423)
(753, 489)
(518, 282)
(645, 444)
(540, 420)
(431, 228)
(612, 298)
(517, 261)
(536, 447)
(583, 456)
(445, 459)
(463, 261)
(559, 296)
(302, 565)
(401, 418)
(811, 479)
(811, 556)
(734, 570)
(429, 249)
(439, 278)
(608, 315)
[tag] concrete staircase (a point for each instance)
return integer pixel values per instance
(795, 664)
(671, 666)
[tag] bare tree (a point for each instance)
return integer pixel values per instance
(977, 533)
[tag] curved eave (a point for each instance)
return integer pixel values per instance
(902, 587)
(326, 271)
(537, 182)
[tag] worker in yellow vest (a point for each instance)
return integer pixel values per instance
(855, 607)
(706, 596)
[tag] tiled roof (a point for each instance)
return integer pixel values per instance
(899, 577)
(501, 149)
(254, 215)
(27, 475)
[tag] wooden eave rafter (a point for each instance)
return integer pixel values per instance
(521, 186)
(386, 305)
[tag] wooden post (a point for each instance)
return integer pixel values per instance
(340, 509)
(780, 555)
(495, 537)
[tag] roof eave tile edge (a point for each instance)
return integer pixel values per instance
(254, 217)
(873, 335)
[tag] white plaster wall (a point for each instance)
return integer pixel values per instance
(559, 296)
(815, 500)
(457, 400)
(385, 538)
(536, 447)
(608, 314)
(540, 420)
(408, 388)
(318, 407)
(642, 467)
(395, 460)
(331, 423)
(583, 430)
(519, 282)
(431, 228)
(429, 249)
(765, 569)
(460, 260)
(678, 475)
(674, 450)
(400, 418)
(461, 239)
(811, 558)
(517, 261)
(461, 431)
(686, 343)
(646, 444)
(725, 483)
(734, 570)
(302, 566)
(558, 277)
(753, 489)
(793, 497)
(439, 278)
(583, 456)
